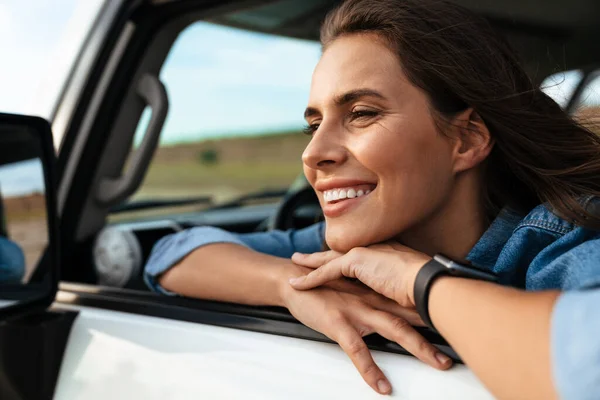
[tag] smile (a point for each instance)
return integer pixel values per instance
(340, 194)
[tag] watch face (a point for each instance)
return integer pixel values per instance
(117, 256)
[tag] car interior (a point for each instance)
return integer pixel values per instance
(108, 233)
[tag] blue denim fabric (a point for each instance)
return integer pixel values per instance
(536, 251)
(540, 250)
(12, 261)
(575, 345)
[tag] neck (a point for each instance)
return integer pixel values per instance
(454, 227)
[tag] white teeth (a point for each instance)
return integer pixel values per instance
(345, 193)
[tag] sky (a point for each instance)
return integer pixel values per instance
(224, 81)
(21, 178)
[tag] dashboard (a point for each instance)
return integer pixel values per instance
(121, 250)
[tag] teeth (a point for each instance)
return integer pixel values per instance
(346, 193)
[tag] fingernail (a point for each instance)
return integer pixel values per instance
(297, 255)
(442, 358)
(293, 281)
(384, 386)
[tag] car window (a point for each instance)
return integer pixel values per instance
(590, 96)
(235, 117)
(562, 85)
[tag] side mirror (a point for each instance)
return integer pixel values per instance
(28, 216)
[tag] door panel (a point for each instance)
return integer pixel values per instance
(125, 356)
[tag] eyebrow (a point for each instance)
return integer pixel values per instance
(346, 98)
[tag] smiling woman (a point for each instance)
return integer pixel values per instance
(428, 140)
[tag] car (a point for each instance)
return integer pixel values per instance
(127, 173)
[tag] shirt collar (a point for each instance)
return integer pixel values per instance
(487, 250)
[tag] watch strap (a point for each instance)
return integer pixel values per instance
(432, 270)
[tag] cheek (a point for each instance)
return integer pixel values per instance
(414, 176)
(310, 174)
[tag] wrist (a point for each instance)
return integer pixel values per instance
(282, 282)
(410, 281)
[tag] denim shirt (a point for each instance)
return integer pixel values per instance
(540, 251)
(537, 251)
(575, 345)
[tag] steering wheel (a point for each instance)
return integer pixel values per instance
(297, 210)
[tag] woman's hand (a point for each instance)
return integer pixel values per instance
(389, 269)
(347, 311)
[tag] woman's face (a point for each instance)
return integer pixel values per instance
(376, 160)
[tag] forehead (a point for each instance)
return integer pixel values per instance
(353, 61)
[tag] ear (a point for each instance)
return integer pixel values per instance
(472, 141)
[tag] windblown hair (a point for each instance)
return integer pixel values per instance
(540, 155)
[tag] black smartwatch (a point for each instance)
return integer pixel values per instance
(442, 266)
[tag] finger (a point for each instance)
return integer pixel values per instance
(376, 300)
(328, 272)
(315, 260)
(391, 307)
(354, 346)
(399, 330)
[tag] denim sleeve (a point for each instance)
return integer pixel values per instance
(575, 345)
(172, 248)
(12, 261)
(565, 266)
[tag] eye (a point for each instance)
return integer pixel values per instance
(363, 114)
(310, 129)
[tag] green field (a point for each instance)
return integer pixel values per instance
(166, 179)
(242, 166)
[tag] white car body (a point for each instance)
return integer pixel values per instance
(117, 355)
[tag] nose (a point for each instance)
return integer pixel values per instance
(324, 150)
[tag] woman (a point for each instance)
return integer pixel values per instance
(427, 132)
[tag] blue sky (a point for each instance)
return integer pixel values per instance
(224, 81)
(21, 178)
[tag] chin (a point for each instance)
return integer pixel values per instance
(343, 240)
(343, 236)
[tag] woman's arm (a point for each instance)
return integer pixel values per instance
(230, 272)
(190, 254)
(503, 334)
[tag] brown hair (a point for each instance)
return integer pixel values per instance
(540, 154)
